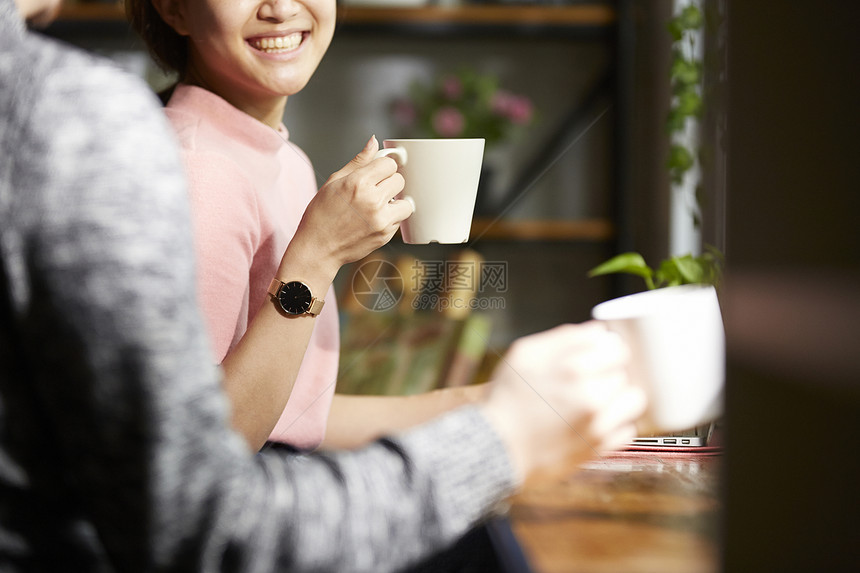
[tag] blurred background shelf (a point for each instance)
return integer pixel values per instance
(542, 230)
(91, 12)
(585, 15)
(579, 15)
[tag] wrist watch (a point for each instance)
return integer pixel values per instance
(294, 298)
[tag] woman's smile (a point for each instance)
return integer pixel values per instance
(256, 53)
(280, 44)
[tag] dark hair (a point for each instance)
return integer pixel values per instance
(168, 48)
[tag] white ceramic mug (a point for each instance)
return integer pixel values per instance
(677, 345)
(442, 181)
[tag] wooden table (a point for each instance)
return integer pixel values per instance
(628, 512)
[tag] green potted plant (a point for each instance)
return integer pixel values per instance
(704, 269)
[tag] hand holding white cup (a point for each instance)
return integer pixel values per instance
(441, 182)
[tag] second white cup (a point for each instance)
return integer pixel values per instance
(442, 180)
(677, 346)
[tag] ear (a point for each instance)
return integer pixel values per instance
(173, 13)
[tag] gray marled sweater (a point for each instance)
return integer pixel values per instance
(115, 450)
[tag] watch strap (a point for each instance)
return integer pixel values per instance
(316, 306)
(275, 286)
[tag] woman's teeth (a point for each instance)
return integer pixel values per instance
(279, 44)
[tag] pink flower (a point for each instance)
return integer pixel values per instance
(452, 87)
(501, 102)
(448, 122)
(520, 110)
(516, 108)
(404, 112)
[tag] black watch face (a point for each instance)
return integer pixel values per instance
(295, 297)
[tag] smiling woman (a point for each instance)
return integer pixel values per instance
(251, 53)
(258, 216)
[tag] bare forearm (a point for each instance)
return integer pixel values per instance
(259, 373)
(355, 421)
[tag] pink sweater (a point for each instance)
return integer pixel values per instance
(249, 188)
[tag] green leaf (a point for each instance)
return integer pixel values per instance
(680, 158)
(714, 254)
(677, 271)
(675, 121)
(689, 103)
(713, 261)
(674, 271)
(697, 220)
(631, 263)
(690, 268)
(683, 71)
(701, 198)
(676, 29)
(690, 18)
(668, 274)
(485, 87)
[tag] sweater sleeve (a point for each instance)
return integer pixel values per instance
(149, 462)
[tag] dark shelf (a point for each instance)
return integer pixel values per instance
(580, 19)
(542, 230)
(585, 15)
(583, 20)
